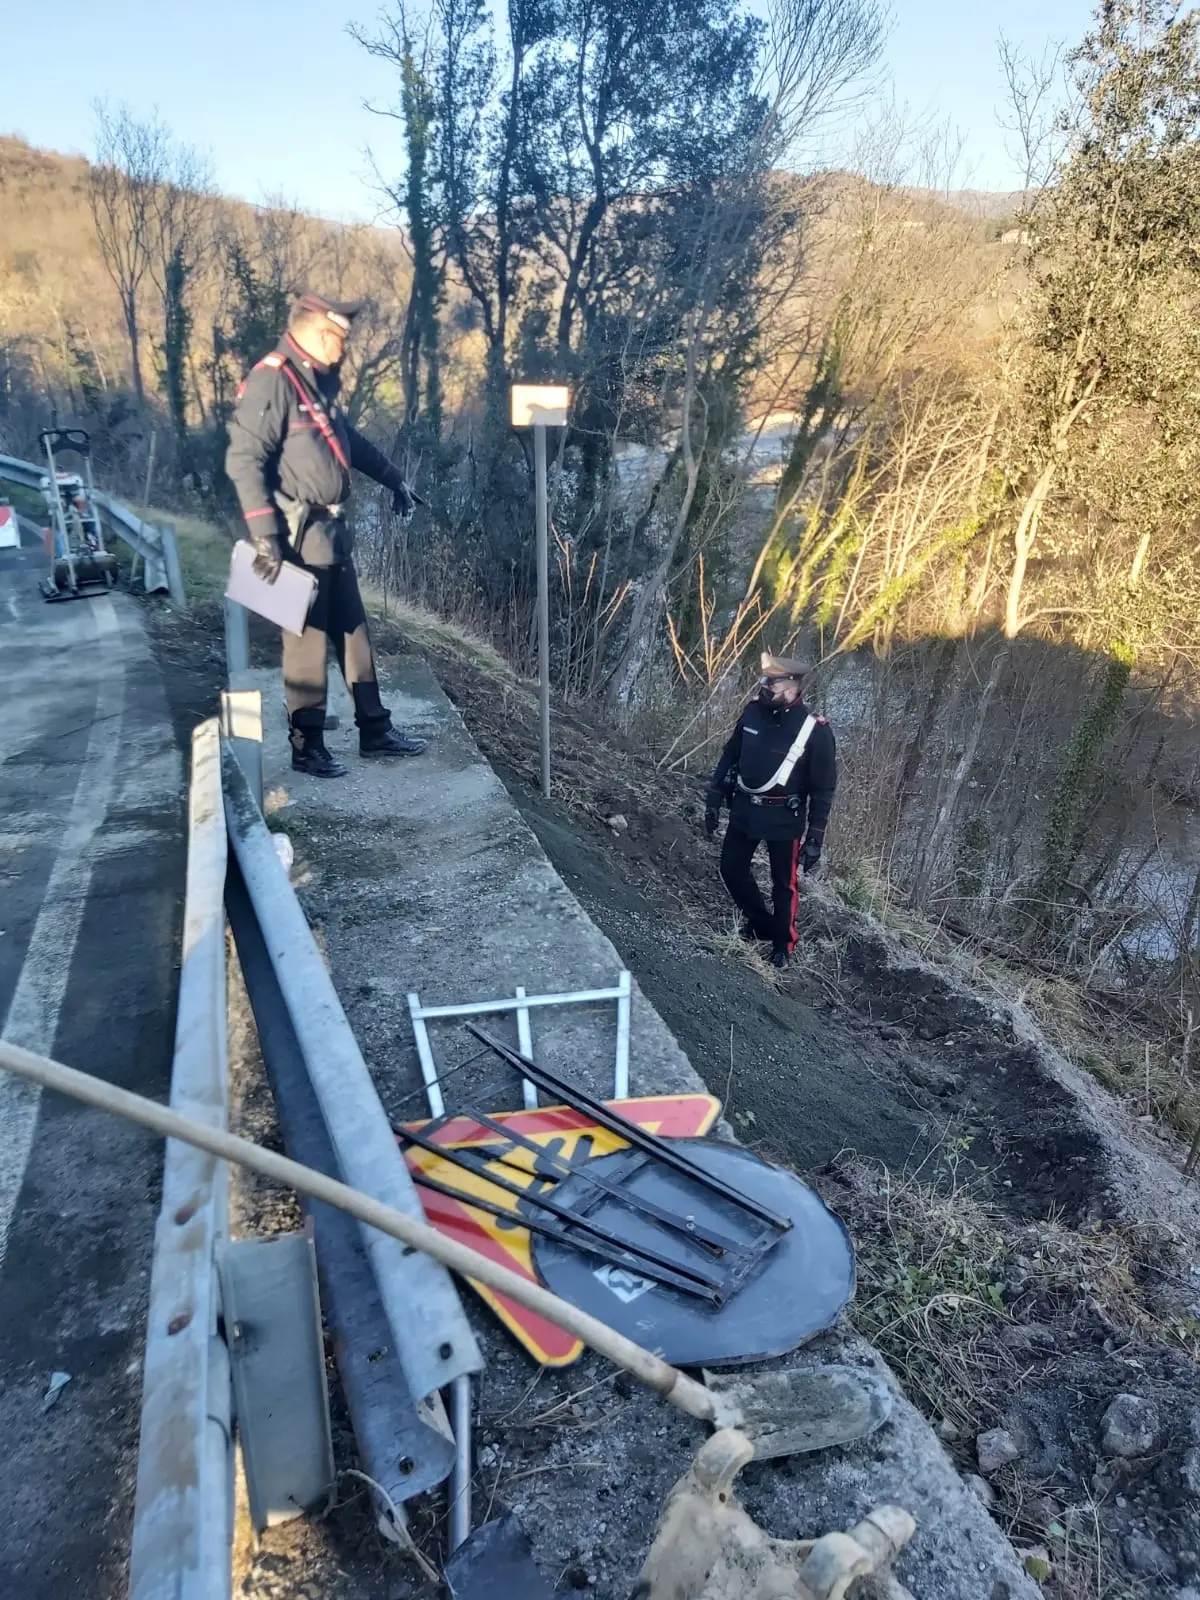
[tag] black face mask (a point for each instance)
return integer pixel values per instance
(766, 697)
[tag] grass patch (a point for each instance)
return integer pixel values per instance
(204, 549)
(931, 1283)
(27, 501)
(730, 946)
(443, 635)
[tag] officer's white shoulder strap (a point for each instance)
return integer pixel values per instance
(788, 765)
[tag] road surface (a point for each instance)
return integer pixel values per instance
(91, 875)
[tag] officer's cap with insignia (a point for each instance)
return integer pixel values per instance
(341, 313)
(781, 666)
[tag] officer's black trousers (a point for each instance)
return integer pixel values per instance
(737, 856)
(337, 614)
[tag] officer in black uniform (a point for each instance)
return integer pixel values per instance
(290, 454)
(777, 773)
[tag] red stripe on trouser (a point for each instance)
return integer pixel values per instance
(794, 897)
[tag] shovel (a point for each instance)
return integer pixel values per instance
(782, 1413)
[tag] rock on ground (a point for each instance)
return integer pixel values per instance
(995, 1449)
(1130, 1427)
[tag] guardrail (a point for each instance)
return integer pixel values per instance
(399, 1331)
(183, 1511)
(155, 545)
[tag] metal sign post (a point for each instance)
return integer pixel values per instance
(541, 406)
(543, 601)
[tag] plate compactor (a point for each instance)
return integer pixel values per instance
(79, 563)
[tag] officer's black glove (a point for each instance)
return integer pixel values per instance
(268, 552)
(810, 854)
(712, 811)
(403, 502)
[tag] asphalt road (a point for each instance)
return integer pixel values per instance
(91, 876)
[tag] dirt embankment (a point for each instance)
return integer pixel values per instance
(1025, 1251)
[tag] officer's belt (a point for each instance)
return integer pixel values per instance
(763, 799)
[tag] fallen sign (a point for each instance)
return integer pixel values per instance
(773, 1409)
(563, 1132)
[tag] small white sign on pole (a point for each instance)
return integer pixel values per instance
(540, 405)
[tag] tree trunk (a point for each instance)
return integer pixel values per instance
(1189, 960)
(135, 351)
(1064, 833)
(1023, 540)
(947, 805)
(947, 651)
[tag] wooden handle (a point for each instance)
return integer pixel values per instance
(641, 1364)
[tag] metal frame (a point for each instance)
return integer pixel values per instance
(183, 1511)
(54, 441)
(594, 1238)
(522, 1004)
(663, 1150)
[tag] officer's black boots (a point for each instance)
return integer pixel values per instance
(307, 738)
(376, 736)
(779, 957)
(390, 742)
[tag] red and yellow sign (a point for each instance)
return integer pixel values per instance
(562, 1132)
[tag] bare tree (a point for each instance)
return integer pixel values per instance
(179, 236)
(816, 52)
(132, 163)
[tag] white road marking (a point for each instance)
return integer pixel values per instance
(33, 1013)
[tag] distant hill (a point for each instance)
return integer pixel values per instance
(59, 313)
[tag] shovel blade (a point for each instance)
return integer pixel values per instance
(808, 1408)
(496, 1563)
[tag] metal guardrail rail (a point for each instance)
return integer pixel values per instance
(155, 545)
(183, 1511)
(433, 1338)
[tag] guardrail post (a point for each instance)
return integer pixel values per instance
(241, 716)
(170, 552)
(237, 644)
(241, 723)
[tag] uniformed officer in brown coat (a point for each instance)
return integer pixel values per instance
(290, 455)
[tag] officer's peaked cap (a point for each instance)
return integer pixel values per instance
(781, 666)
(340, 312)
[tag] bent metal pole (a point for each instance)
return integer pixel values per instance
(682, 1391)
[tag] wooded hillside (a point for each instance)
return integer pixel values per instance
(945, 449)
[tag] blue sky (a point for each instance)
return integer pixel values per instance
(274, 91)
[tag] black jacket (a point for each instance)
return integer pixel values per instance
(755, 751)
(282, 462)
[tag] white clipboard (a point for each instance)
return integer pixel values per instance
(286, 602)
